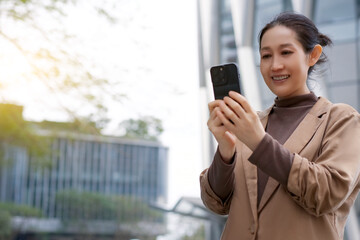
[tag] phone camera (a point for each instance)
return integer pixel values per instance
(222, 75)
(219, 75)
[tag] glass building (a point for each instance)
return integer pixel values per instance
(228, 32)
(133, 173)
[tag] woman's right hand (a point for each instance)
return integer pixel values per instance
(226, 140)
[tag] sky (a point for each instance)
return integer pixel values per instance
(152, 50)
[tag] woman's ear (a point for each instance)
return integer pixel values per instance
(315, 54)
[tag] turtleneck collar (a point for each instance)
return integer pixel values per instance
(297, 101)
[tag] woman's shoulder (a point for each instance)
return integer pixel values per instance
(339, 108)
(337, 111)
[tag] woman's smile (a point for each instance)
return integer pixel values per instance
(280, 78)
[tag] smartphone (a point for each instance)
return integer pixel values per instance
(225, 78)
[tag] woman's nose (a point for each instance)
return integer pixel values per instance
(276, 65)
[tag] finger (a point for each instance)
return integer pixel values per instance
(217, 122)
(212, 105)
(213, 112)
(241, 100)
(225, 121)
(214, 120)
(228, 112)
(235, 106)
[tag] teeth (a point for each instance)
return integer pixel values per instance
(280, 77)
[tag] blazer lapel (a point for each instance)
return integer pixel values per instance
(250, 169)
(297, 141)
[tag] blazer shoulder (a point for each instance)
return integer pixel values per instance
(342, 108)
(339, 115)
(343, 111)
(335, 110)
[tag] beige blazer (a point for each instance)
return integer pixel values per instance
(322, 186)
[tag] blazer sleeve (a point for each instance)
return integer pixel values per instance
(210, 199)
(323, 184)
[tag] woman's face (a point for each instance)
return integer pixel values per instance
(284, 64)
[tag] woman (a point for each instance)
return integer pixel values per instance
(292, 171)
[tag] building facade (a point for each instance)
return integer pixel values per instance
(228, 32)
(106, 166)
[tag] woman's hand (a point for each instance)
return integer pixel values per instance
(225, 139)
(245, 123)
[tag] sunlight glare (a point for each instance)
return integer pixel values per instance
(13, 68)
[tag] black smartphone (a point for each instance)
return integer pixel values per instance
(225, 78)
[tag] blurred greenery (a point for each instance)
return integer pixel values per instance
(198, 235)
(64, 72)
(71, 78)
(53, 60)
(5, 224)
(15, 131)
(147, 127)
(77, 205)
(20, 210)
(8, 210)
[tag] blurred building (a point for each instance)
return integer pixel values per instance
(79, 163)
(228, 32)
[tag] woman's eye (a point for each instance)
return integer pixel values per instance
(286, 52)
(265, 56)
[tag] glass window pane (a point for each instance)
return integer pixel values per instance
(263, 16)
(343, 62)
(344, 94)
(261, 3)
(227, 4)
(330, 10)
(339, 31)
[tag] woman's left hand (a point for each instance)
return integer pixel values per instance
(245, 123)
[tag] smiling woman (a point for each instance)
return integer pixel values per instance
(290, 171)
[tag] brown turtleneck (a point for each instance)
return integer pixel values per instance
(271, 158)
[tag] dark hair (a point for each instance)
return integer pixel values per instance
(307, 33)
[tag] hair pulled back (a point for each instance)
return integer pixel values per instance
(306, 31)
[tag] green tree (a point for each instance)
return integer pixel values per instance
(147, 127)
(15, 131)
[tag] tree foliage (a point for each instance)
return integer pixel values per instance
(77, 205)
(5, 224)
(147, 127)
(51, 50)
(7, 210)
(15, 131)
(20, 210)
(38, 34)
